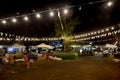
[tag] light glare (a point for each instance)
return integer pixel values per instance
(112, 28)
(25, 18)
(51, 13)
(80, 8)
(38, 15)
(65, 11)
(107, 29)
(4, 21)
(109, 3)
(14, 20)
(102, 30)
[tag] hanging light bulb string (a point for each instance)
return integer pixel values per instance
(111, 30)
(3, 19)
(14, 19)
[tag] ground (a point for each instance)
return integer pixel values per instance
(84, 68)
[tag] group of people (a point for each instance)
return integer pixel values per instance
(28, 58)
(8, 59)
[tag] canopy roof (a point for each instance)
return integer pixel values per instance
(16, 45)
(43, 45)
(110, 46)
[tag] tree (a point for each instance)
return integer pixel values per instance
(117, 35)
(69, 24)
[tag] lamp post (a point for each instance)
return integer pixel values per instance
(59, 16)
(61, 23)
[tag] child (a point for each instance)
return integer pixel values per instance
(12, 62)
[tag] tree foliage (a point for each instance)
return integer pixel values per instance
(69, 24)
(117, 35)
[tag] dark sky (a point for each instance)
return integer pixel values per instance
(92, 17)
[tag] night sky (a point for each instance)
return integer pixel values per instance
(92, 17)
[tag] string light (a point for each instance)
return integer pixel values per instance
(18, 13)
(6, 34)
(91, 33)
(16, 39)
(33, 10)
(38, 15)
(8, 39)
(112, 28)
(1, 39)
(51, 13)
(98, 31)
(21, 38)
(102, 30)
(25, 39)
(107, 29)
(9, 35)
(65, 11)
(94, 32)
(79, 7)
(1, 34)
(14, 20)
(4, 21)
(66, 7)
(109, 3)
(26, 18)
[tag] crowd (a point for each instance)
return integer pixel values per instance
(28, 58)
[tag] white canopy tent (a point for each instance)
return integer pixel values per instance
(16, 45)
(43, 45)
(74, 46)
(110, 46)
(20, 47)
(86, 46)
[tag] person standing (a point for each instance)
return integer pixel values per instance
(12, 62)
(1, 63)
